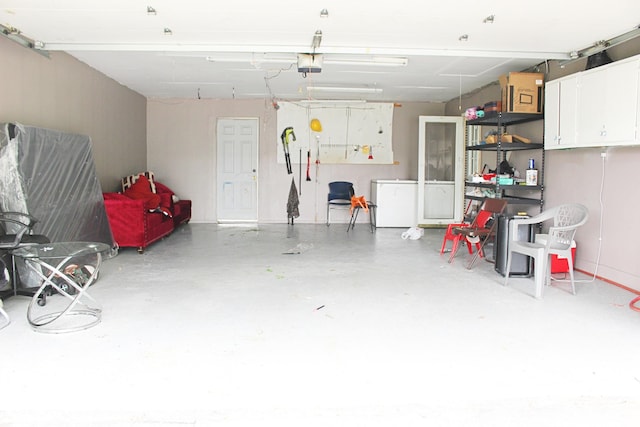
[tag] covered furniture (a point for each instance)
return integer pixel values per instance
(557, 241)
(481, 229)
(339, 197)
(51, 175)
(144, 212)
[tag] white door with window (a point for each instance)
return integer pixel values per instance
(237, 170)
(440, 170)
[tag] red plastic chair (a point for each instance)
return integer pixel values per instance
(480, 230)
(455, 238)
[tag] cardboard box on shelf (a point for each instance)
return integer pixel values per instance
(492, 139)
(522, 92)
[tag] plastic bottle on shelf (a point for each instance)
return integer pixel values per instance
(532, 173)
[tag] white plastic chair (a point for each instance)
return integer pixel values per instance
(566, 220)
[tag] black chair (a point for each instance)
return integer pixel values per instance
(355, 209)
(339, 197)
(16, 231)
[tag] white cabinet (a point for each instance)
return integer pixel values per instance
(561, 101)
(594, 108)
(608, 105)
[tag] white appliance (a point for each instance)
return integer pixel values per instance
(397, 202)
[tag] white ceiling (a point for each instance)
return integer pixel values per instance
(255, 42)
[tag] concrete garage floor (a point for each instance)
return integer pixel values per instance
(216, 325)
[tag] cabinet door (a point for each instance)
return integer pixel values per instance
(551, 114)
(608, 105)
(622, 105)
(561, 101)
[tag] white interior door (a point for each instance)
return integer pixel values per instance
(237, 170)
(440, 170)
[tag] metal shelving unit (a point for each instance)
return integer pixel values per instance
(501, 121)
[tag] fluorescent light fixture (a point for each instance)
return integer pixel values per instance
(252, 58)
(457, 75)
(195, 83)
(331, 101)
(344, 89)
(365, 60)
(424, 87)
(376, 61)
(361, 71)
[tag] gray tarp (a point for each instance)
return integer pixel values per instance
(51, 175)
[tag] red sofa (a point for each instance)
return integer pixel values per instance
(134, 225)
(180, 209)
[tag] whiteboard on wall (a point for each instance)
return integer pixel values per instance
(355, 133)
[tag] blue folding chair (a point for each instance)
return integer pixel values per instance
(339, 197)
